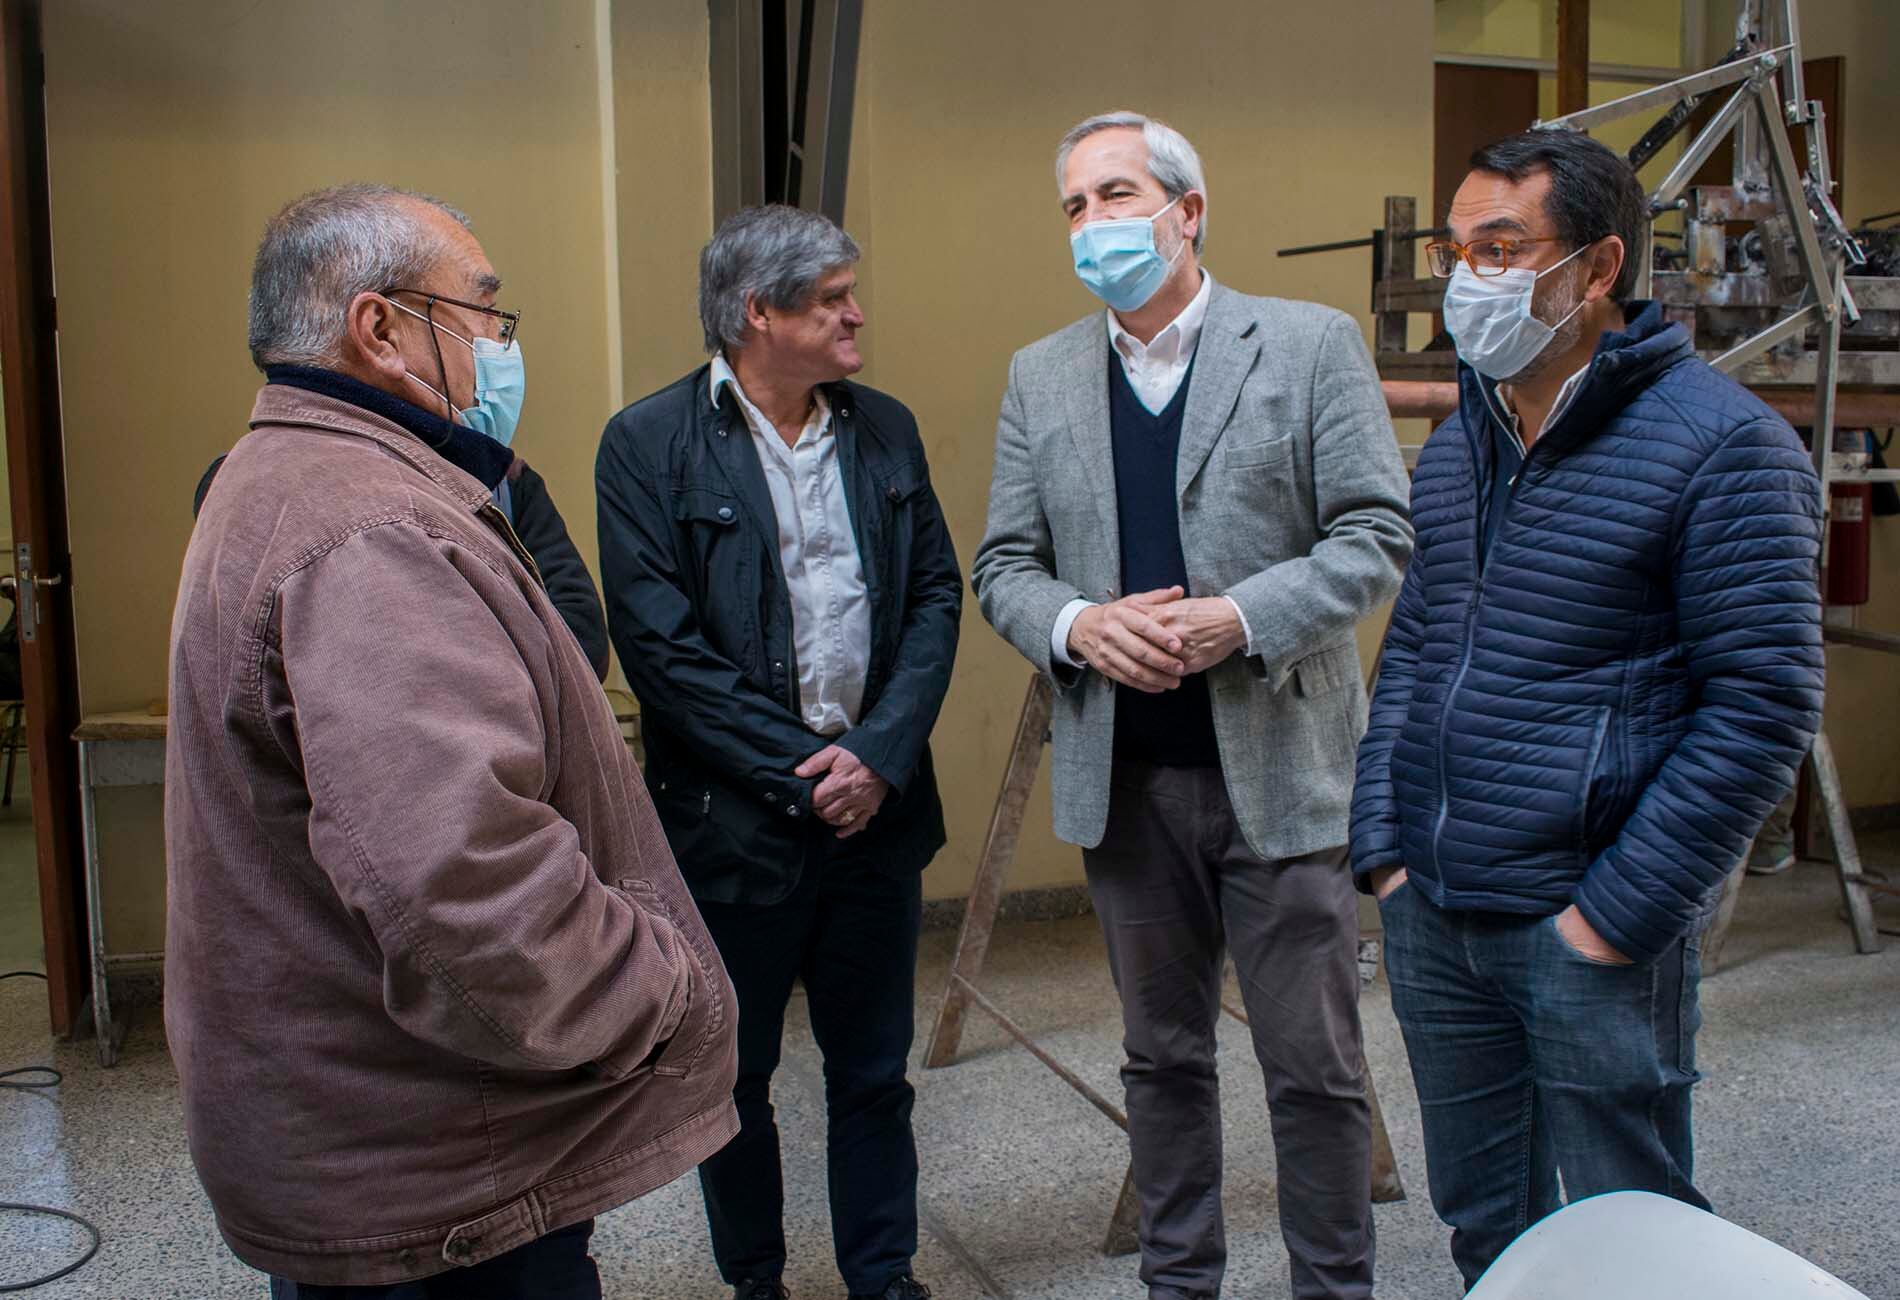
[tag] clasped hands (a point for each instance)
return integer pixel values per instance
(1152, 639)
(851, 792)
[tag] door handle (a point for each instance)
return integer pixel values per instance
(28, 583)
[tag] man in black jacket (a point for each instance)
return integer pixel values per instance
(784, 597)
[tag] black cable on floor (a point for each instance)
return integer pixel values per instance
(52, 1079)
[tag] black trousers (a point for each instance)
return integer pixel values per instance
(849, 934)
(554, 1267)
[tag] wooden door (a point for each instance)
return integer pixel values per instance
(1473, 107)
(29, 375)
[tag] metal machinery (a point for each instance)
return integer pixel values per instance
(1790, 306)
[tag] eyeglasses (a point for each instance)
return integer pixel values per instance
(1486, 257)
(510, 320)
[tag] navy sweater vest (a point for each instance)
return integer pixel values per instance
(1174, 728)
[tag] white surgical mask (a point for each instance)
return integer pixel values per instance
(1490, 319)
(1117, 260)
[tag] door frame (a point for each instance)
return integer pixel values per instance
(41, 559)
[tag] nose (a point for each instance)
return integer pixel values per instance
(853, 314)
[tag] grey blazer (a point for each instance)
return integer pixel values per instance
(1292, 501)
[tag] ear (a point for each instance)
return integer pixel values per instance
(369, 336)
(1605, 264)
(1193, 211)
(758, 317)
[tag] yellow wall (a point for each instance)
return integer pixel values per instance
(178, 126)
(1642, 32)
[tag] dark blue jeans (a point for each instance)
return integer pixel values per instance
(554, 1267)
(1532, 1061)
(849, 934)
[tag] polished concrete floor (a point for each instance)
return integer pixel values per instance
(1798, 1127)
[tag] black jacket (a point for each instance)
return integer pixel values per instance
(699, 611)
(563, 572)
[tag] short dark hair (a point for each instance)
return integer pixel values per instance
(1593, 191)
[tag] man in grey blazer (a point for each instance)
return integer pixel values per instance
(1195, 499)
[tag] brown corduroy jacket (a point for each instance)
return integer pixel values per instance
(433, 984)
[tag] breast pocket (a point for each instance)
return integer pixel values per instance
(1258, 453)
(718, 558)
(899, 491)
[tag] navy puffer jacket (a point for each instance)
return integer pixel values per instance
(1604, 708)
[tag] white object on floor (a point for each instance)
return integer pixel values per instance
(1641, 1246)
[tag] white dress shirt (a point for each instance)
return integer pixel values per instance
(1155, 370)
(1557, 408)
(831, 608)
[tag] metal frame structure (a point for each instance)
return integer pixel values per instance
(784, 80)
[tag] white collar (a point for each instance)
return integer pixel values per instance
(1557, 408)
(1176, 339)
(722, 374)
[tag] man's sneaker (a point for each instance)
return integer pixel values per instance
(904, 1287)
(760, 1291)
(1770, 857)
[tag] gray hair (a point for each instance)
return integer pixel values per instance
(321, 251)
(1171, 159)
(775, 255)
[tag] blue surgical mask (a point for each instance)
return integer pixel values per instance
(501, 384)
(1490, 319)
(1118, 261)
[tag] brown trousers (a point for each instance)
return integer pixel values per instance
(1175, 888)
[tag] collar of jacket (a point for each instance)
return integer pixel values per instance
(283, 405)
(482, 457)
(725, 429)
(1625, 363)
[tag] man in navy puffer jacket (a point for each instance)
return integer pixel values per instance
(1603, 671)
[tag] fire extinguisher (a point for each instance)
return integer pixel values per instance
(1849, 534)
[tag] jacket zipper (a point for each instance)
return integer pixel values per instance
(1483, 557)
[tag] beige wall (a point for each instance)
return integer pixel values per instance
(176, 128)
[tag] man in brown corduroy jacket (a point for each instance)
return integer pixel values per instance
(435, 990)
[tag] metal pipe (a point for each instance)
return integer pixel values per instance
(1701, 83)
(1785, 328)
(1705, 144)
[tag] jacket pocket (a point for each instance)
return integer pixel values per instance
(1258, 453)
(1586, 791)
(1326, 671)
(716, 510)
(705, 1013)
